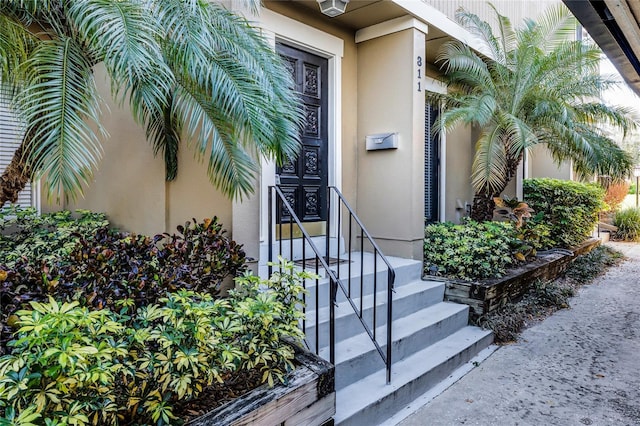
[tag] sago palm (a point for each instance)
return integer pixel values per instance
(189, 69)
(531, 85)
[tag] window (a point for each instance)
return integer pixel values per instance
(10, 138)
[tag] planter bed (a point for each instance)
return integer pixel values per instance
(308, 398)
(488, 295)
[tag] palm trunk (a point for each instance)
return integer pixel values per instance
(15, 177)
(483, 205)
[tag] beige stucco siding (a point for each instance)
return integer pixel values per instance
(129, 184)
(542, 164)
(391, 182)
(460, 147)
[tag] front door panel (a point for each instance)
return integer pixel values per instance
(304, 180)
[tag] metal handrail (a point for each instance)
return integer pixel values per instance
(319, 260)
(334, 278)
(391, 276)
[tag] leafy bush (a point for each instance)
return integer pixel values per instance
(536, 234)
(84, 260)
(74, 365)
(632, 189)
(570, 208)
(201, 256)
(628, 223)
(543, 298)
(471, 250)
(34, 238)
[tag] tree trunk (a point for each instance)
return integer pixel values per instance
(483, 205)
(14, 178)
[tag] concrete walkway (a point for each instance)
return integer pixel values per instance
(581, 366)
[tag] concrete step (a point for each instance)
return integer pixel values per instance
(407, 271)
(370, 401)
(357, 357)
(407, 300)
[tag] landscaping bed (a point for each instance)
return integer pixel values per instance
(546, 297)
(99, 326)
(307, 397)
(488, 295)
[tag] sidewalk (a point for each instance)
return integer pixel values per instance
(581, 366)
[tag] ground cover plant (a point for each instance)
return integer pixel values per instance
(81, 258)
(628, 223)
(109, 328)
(544, 298)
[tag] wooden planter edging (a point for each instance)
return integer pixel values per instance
(488, 295)
(308, 398)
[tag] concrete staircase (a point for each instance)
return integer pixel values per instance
(431, 339)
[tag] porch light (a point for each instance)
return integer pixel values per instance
(333, 8)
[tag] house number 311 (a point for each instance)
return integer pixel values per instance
(419, 63)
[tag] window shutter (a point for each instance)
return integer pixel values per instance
(10, 138)
(431, 179)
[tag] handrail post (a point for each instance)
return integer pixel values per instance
(332, 321)
(270, 230)
(328, 234)
(390, 279)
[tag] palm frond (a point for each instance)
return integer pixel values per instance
(490, 162)
(214, 138)
(16, 44)
(555, 26)
(60, 107)
(543, 89)
(482, 30)
(124, 34)
(508, 38)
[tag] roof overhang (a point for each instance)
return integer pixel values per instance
(615, 26)
(365, 14)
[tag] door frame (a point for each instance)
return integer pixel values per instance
(301, 36)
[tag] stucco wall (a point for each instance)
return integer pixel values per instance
(391, 182)
(129, 184)
(459, 158)
(542, 164)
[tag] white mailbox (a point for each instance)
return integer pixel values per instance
(382, 141)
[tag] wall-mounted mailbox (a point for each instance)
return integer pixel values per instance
(382, 141)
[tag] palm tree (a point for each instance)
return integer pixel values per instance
(529, 86)
(190, 70)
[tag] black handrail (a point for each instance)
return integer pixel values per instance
(334, 277)
(391, 275)
(319, 260)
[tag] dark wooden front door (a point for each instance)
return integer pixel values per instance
(304, 180)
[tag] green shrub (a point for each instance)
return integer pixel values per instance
(27, 236)
(84, 260)
(200, 256)
(570, 208)
(628, 223)
(74, 365)
(471, 250)
(632, 189)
